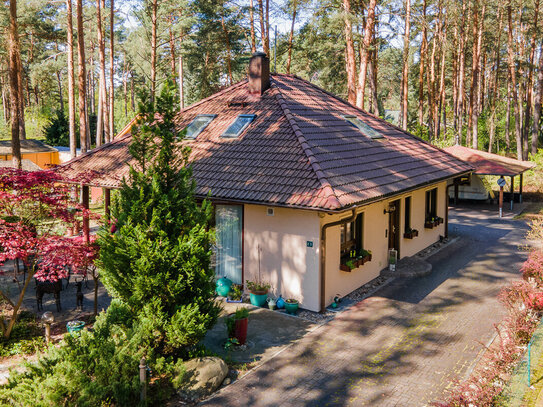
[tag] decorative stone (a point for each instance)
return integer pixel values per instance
(226, 381)
(202, 377)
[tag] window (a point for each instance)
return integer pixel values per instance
(431, 199)
(407, 214)
(364, 128)
(352, 237)
(240, 124)
(198, 125)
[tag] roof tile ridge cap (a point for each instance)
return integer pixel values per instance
(228, 89)
(331, 198)
(376, 117)
(116, 140)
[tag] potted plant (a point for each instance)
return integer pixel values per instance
(236, 325)
(258, 292)
(366, 255)
(291, 306)
(429, 223)
(439, 220)
(235, 294)
(410, 233)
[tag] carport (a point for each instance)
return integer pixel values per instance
(492, 164)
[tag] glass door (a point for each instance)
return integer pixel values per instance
(228, 230)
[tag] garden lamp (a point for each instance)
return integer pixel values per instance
(48, 318)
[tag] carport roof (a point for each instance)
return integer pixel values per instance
(488, 163)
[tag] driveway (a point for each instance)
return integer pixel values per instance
(404, 345)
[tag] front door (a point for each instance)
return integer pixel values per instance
(228, 236)
(394, 226)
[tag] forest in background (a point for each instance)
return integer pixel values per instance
(467, 72)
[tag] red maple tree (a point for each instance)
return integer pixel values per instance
(38, 211)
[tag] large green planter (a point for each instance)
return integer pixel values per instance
(291, 307)
(259, 300)
(223, 286)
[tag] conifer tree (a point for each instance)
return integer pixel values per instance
(158, 260)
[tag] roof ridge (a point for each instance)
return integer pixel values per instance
(115, 140)
(387, 123)
(214, 95)
(331, 197)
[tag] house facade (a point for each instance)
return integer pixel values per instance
(305, 185)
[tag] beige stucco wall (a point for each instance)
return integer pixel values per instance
(286, 262)
(376, 240)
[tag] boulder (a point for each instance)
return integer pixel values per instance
(202, 376)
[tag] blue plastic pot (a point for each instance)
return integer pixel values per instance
(258, 300)
(280, 303)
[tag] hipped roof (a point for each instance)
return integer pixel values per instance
(298, 152)
(27, 147)
(488, 163)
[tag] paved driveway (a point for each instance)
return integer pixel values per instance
(404, 345)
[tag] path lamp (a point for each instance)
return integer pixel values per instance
(48, 318)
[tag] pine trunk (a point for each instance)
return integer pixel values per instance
(13, 41)
(405, 66)
(422, 62)
(83, 136)
(459, 109)
(537, 103)
(530, 81)
(365, 53)
(263, 31)
(71, 80)
(154, 23)
(252, 23)
(350, 59)
(513, 73)
(291, 36)
(100, 122)
(111, 134)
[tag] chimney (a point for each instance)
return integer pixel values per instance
(259, 73)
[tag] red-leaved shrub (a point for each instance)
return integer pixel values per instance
(523, 300)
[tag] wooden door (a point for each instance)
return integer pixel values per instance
(394, 226)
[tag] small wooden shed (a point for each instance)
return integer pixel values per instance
(41, 154)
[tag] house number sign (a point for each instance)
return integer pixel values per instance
(309, 243)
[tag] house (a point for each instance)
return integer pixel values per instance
(41, 154)
(300, 180)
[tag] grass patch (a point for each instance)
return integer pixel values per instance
(26, 337)
(532, 210)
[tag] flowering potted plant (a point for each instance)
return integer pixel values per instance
(429, 223)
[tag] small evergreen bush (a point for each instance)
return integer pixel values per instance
(57, 131)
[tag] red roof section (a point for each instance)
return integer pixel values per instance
(298, 151)
(488, 163)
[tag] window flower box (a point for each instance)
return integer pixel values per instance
(429, 224)
(354, 261)
(411, 234)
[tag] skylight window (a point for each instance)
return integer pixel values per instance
(198, 125)
(364, 128)
(240, 124)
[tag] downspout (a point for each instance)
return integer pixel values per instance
(323, 258)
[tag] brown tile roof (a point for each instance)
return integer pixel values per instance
(488, 163)
(298, 151)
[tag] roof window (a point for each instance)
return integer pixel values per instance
(364, 128)
(198, 125)
(240, 124)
